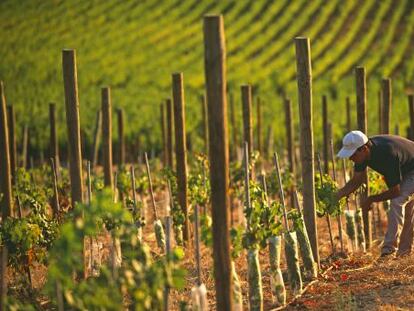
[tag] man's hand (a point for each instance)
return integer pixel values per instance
(367, 204)
(338, 196)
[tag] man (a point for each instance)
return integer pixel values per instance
(393, 157)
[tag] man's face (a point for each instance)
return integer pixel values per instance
(360, 155)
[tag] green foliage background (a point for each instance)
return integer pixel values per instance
(134, 46)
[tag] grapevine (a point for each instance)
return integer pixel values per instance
(326, 197)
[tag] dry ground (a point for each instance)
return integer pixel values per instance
(358, 282)
(361, 281)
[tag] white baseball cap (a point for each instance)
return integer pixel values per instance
(351, 142)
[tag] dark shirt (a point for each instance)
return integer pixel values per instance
(391, 156)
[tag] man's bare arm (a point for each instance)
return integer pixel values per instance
(391, 193)
(352, 185)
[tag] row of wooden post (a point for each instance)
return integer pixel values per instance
(384, 109)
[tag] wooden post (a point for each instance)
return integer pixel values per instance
(96, 138)
(54, 146)
(259, 126)
(70, 80)
(6, 203)
(25, 145)
(386, 112)
(411, 111)
(168, 222)
(304, 79)
(246, 181)
(154, 205)
(59, 296)
(246, 91)
(234, 128)
(348, 115)
(121, 138)
(361, 99)
(170, 131)
(55, 198)
(11, 123)
(380, 112)
(330, 133)
(163, 136)
(290, 135)
(89, 265)
(269, 141)
(328, 218)
(83, 140)
(339, 217)
(197, 244)
(180, 148)
(204, 122)
(107, 136)
(325, 130)
(280, 186)
(215, 73)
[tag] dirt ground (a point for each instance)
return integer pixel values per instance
(361, 281)
(358, 282)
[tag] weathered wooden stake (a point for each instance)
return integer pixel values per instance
(247, 201)
(259, 126)
(181, 148)
(154, 206)
(204, 122)
(96, 138)
(361, 99)
(31, 162)
(107, 136)
(325, 130)
(89, 201)
(70, 80)
(348, 208)
(11, 123)
(197, 244)
(133, 186)
(25, 145)
(54, 146)
(163, 135)
(170, 131)
(167, 252)
(380, 114)
(121, 137)
(234, 128)
(411, 111)
(328, 218)
(304, 79)
(348, 115)
(269, 141)
(6, 203)
(387, 100)
(338, 218)
(280, 186)
(246, 91)
(59, 297)
(290, 136)
(55, 198)
(215, 74)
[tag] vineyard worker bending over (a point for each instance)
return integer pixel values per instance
(393, 157)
